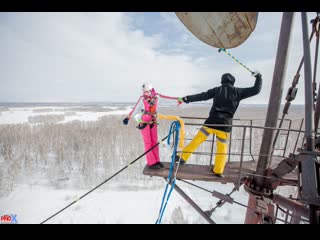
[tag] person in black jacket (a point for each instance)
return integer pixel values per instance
(226, 100)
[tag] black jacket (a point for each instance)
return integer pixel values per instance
(226, 100)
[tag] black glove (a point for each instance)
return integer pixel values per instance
(258, 76)
(142, 126)
(125, 121)
(185, 100)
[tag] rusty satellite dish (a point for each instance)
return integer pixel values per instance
(220, 29)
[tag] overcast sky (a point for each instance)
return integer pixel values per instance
(98, 57)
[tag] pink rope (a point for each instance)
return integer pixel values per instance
(129, 115)
(163, 96)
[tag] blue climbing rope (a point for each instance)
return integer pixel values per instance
(171, 131)
(175, 127)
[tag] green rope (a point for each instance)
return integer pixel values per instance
(222, 49)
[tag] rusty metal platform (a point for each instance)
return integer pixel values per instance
(201, 172)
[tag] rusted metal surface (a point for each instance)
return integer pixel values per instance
(220, 29)
(297, 207)
(264, 213)
(223, 197)
(252, 217)
(199, 172)
(286, 166)
(231, 172)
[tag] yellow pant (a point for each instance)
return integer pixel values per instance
(221, 149)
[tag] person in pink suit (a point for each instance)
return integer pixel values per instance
(145, 113)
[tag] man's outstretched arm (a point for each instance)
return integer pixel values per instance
(199, 97)
(249, 92)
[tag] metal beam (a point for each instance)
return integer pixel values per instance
(309, 180)
(264, 213)
(193, 204)
(308, 86)
(317, 105)
(291, 205)
(275, 96)
(317, 112)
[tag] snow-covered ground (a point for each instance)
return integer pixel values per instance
(19, 115)
(36, 196)
(34, 204)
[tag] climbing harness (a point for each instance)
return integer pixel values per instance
(139, 109)
(174, 129)
(105, 181)
(224, 50)
(152, 100)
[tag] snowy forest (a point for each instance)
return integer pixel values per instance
(81, 154)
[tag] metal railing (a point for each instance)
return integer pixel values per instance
(250, 137)
(244, 143)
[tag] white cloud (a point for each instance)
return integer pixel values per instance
(102, 57)
(82, 57)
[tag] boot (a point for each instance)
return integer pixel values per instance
(177, 159)
(160, 164)
(154, 167)
(219, 175)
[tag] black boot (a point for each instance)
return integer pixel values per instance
(219, 175)
(154, 167)
(160, 164)
(177, 159)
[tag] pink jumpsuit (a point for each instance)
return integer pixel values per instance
(150, 132)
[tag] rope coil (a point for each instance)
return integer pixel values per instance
(174, 130)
